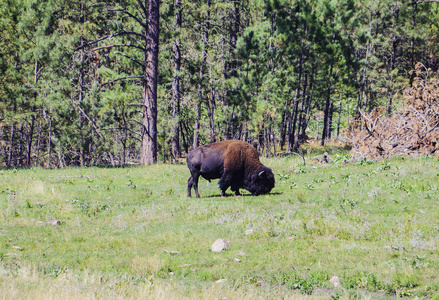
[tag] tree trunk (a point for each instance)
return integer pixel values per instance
(197, 125)
(390, 83)
(32, 119)
(302, 117)
(329, 126)
(230, 66)
(293, 140)
(176, 85)
(149, 121)
(288, 122)
(283, 129)
(201, 78)
(60, 158)
(211, 113)
(292, 134)
(40, 133)
(82, 92)
(49, 152)
(81, 153)
(412, 43)
(364, 73)
(21, 161)
(327, 113)
(339, 115)
(234, 29)
(11, 146)
(307, 109)
(30, 139)
(229, 131)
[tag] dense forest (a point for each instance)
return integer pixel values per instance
(77, 84)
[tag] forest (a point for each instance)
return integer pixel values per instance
(76, 87)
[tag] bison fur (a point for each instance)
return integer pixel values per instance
(235, 163)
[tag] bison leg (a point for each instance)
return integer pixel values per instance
(190, 183)
(223, 188)
(235, 189)
(193, 181)
(225, 182)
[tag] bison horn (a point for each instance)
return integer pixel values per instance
(260, 173)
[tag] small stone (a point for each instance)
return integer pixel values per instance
(335, 281)
(249, 231)
(10, 254)
(55, 222)
(237, 259)
(18, 248)
(219, 245)
(223, 280)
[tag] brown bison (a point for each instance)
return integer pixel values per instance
(237, 165)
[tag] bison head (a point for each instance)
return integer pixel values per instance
(261, 181)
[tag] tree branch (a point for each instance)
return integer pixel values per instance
(145, 12)
(425, 1)
(96, 5)
(38, 75)
(111, 36)
(136, 104)
(133, 59)
(95, 127)
(143, 126)
(132, 16)
(131, 32)
(122, 128)
(302, 156)
(118, 79)
(119, 45)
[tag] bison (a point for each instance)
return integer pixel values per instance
(235, 162)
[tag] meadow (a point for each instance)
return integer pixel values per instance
(132, 233)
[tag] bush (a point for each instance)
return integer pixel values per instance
(414, 129)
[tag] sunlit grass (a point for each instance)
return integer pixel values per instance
(132, 232)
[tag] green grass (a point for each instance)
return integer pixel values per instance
(133, 233)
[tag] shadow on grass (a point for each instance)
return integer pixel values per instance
(242, 195)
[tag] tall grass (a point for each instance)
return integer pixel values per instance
(133, 233)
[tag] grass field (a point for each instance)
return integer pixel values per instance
(120, 233)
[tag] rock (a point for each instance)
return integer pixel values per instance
(240, 253)
(322, 159)
(335, 281)
(223, 280)
(326, 158)
(55, 222)
(18, 248)
(219, 245)
(249, 231)
(10, 254)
